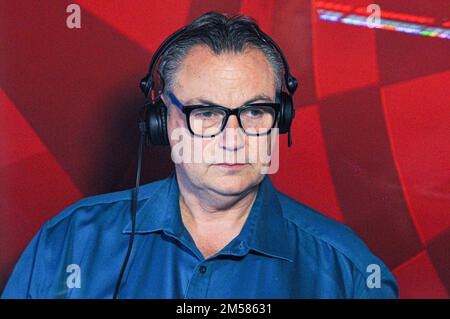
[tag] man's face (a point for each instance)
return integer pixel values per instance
(230, 80)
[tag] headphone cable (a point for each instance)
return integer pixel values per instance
(133, 209)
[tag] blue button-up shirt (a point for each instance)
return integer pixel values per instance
(284, 250)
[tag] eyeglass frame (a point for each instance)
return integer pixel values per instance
(188, 109)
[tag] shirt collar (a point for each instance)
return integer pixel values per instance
(265, 231)
(158, 209)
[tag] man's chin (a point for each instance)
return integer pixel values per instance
(231, 185)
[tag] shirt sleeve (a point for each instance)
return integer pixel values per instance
(24, 275)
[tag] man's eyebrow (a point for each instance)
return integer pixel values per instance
(199, 100)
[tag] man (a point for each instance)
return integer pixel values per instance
(215, 228)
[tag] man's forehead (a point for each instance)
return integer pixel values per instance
(206, 100)
(205, 77)
(201, 62)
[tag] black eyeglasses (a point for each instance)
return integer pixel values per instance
(254, 119)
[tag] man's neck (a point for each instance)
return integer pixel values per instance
(213, 219)
(207, 205)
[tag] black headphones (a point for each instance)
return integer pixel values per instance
(154, 114)
(153, 123)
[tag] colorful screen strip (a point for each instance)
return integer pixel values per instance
(385, 24)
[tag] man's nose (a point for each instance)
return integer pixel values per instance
(233, 137)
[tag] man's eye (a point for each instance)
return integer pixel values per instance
(206, 114)
(255, 112)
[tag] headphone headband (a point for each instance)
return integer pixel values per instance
(147, 83)
(290, 81)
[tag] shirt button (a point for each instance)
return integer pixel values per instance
(202, 269)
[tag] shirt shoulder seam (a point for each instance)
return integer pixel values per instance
(329, 243)
(86, 202)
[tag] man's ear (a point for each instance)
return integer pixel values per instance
(163, 98)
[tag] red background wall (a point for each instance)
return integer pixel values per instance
(371, 135)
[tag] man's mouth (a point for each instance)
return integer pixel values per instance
(231, 166)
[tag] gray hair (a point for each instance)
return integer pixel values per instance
(220, 34)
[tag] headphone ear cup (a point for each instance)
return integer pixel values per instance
(287, 113)
(157, 123)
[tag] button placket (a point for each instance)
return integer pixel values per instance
(202, 269)
(198, 285)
